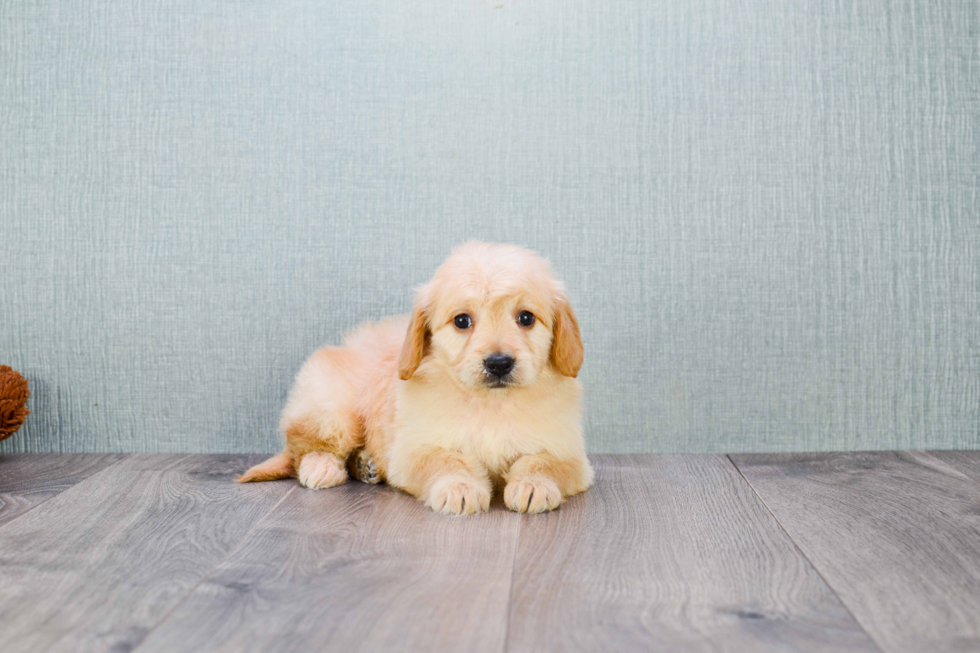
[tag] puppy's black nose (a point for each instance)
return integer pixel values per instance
(499, 365)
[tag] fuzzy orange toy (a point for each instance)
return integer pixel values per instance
(13, 401)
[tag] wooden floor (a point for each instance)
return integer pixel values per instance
(814, 552)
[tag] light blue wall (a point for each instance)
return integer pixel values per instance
(767, 212)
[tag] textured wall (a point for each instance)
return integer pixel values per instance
(767, 212)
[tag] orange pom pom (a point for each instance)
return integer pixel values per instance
(13, 401)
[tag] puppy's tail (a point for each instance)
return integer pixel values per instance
(279, 466)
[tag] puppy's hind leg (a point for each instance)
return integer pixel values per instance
(363, 468)
(320, 450)
(319, 421)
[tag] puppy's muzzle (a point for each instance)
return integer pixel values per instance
(498, 366)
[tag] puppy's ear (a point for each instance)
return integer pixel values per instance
(567, 350)
(414, 345)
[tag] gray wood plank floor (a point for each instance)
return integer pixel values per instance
(897, 535)
(857, 552)
(355, 568)
(28, 480)
(670, 553)
(97, 566)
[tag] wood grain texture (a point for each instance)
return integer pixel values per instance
(666, 553)
(354, 568)
(28, 480)
(965, 462)
(218, 467)
(896, 535)
(669, 553)
(96, 567)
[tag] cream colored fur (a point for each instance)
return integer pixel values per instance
(413, 394)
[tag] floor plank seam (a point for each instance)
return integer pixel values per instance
(806, 557)
(84, 480)
(510, 588)
(211, 571)
(950, 469)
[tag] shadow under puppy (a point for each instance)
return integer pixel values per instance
(476, 389)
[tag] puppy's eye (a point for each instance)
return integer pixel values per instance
(463, 321)
(525, 319)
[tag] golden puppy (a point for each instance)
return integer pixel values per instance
(476, 389)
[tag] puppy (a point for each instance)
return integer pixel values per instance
(475, 390)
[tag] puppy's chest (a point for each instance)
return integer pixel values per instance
(493, 431)
(493, 427)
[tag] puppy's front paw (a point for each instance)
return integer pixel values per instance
(319, 470)
(459, 495)
(535, 494)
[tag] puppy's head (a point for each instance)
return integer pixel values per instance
(493, 317)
